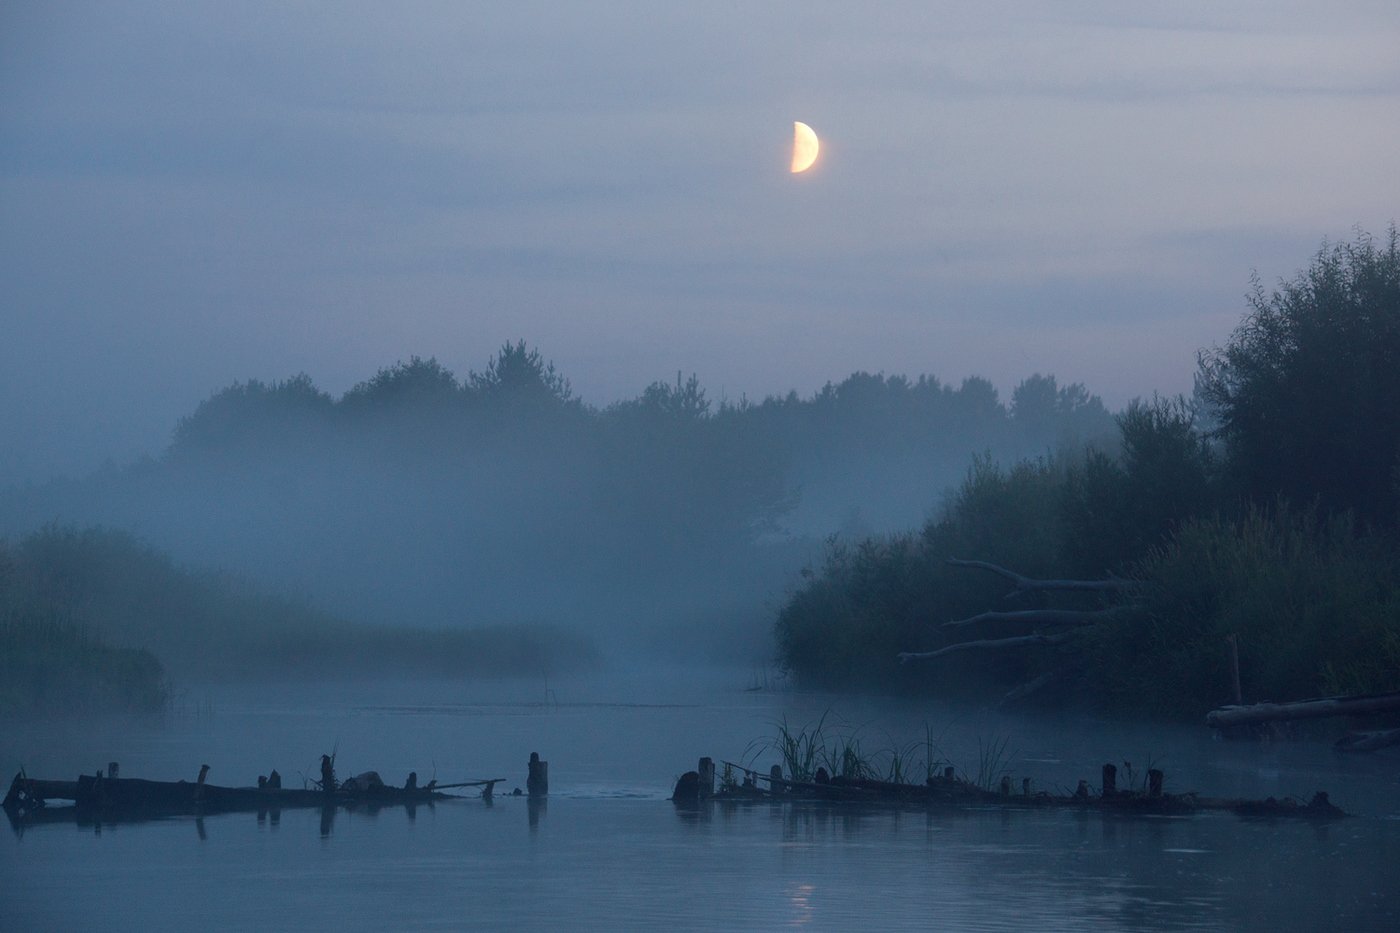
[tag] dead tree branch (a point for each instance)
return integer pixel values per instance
(989, 643)
(1041, 617)
(1027, 584)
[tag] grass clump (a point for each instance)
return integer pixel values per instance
(839, 750)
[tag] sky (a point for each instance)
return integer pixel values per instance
(193, 194)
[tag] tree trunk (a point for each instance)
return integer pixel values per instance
(1302, 709)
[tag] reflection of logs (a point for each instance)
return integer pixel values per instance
(989, 643)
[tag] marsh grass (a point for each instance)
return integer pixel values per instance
(992, 761)
(801, 750)
(50, 664)
(839, 749)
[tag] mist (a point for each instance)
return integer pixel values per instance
(661, 526)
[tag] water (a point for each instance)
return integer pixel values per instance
(607, 851)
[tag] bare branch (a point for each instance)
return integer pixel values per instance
(1024, 584)
(1041, 617)
(992, 643)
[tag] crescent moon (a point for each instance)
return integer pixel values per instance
(804, 147)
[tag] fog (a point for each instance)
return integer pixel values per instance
(663, 525)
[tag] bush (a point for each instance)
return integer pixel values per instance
(1314, 603)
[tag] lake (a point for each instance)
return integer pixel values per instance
(608, 850)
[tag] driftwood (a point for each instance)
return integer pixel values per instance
(1227, 716)
(987, 643)
(1027, 584)
(1041, 617)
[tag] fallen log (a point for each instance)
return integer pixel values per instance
(986, 643)
(1227, 716)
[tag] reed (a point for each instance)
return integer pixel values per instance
(840, 751)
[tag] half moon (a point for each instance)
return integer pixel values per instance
(804, 147)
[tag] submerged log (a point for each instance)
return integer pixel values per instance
(1227, 716)
(947, 791)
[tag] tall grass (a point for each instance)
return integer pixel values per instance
(839, 750)
(52, 665)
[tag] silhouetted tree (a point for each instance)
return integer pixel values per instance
(519, 374)
(1307, 389)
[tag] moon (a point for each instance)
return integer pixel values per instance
(804, 147)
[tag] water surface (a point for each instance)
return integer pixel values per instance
(608, 851)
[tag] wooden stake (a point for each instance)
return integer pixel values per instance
(707, 777)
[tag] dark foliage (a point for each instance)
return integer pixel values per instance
(1307, 388)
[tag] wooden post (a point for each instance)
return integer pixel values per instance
(537, 781)
(203, 773)
(707, 778)
(1154, 782)
(775, 779)
(1234, 642)
(1110, 780)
